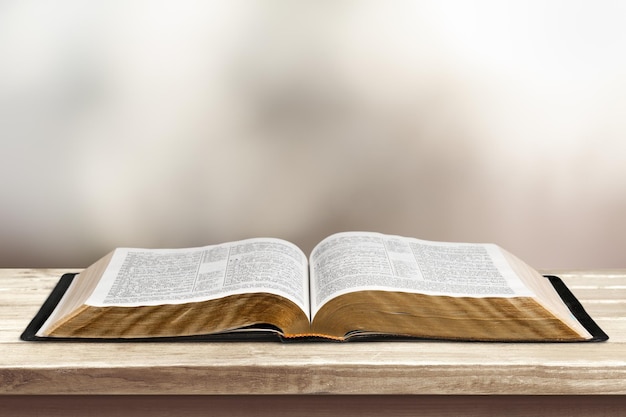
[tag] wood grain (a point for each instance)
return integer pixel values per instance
(378, 368)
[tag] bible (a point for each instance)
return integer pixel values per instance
(353, 286)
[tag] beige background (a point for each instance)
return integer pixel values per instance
(166, 124)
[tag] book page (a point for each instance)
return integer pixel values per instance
(138, 277)
(355, 261)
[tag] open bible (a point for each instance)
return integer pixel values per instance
(353, 286)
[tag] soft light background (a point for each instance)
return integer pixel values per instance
(183, 123)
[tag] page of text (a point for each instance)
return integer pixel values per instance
(355, 261)
(137, 277)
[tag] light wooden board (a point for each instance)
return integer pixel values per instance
(451, 368)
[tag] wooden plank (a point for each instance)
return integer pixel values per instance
(273, 368)
(314, 406)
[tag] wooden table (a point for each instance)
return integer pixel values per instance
(401, 378)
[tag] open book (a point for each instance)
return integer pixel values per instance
(354, 285)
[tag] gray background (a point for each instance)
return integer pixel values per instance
(169, 124)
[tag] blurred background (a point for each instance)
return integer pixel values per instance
(186, 123)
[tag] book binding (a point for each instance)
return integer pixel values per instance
(257, 333)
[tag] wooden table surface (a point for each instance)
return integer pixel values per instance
(290, 371)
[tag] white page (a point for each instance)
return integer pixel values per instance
(137, 277)
(355, 261)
